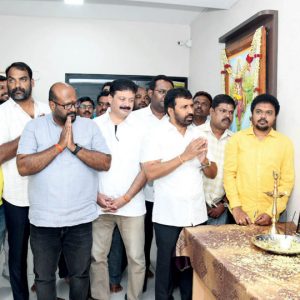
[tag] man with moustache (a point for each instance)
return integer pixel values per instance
(141, 98)
(148, 118)
(15, 113)
(85, 107)
(61, 154)
(103, 103)
(202, 104)
(251, 156)
(176, 157)
(120, 197)
(218, 134)
(3, 89)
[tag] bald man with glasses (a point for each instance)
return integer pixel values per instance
(61, 154)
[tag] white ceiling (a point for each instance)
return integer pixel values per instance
(163, 11)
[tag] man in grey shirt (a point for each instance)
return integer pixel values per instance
(61, 154)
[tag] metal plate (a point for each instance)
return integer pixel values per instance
(278, 243)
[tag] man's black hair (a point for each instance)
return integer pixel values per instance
(222, 98)
(152, 83)
(108, 83)
(20, 66)
(266, 98)
(122, 85)
(205, 94)
(102, 94)
(170, 98)
(84, 99)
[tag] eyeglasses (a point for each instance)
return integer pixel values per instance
(162, 92)
(67, 106)
(84, 106)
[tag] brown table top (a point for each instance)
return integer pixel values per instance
(233, 268)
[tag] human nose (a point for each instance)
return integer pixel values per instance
(73, 107)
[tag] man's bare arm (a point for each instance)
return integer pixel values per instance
(30, 164)
(138, 183)
(94, 159)
(156, 169)
(8, 150)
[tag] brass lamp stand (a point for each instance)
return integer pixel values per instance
(275, 195)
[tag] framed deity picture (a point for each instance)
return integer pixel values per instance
(249, 64)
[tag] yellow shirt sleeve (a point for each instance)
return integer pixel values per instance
(286, 180)
(230, 172)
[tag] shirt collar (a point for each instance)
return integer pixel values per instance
(249, 131)
(15, 104)
(149, 112)
(173, 128)
(127, 120)
(207, 128)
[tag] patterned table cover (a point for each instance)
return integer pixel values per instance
(232, 268)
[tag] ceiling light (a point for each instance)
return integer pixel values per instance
(74, 2)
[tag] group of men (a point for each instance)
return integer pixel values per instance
(70, 181)
(88, 109)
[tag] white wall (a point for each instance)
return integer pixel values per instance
(205, 63)
(54, 46)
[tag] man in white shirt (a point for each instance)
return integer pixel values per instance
(218, 134)
(148, 118)
(15, 113)
(120, 197)
(175, 156)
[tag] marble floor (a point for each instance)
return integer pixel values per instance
(63, 288)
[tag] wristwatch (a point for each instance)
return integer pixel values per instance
(76, 150)
(206, 165)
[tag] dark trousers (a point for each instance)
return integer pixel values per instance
(117, 261)
(166, 271)
(75, 244)
(17, 225)
(148, 232)
(62, 267)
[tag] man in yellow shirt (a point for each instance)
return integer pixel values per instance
(251, 156)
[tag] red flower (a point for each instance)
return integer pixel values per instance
(223, 72)
(257, 55)
(238, 80)
(227, 66)
(249, 59)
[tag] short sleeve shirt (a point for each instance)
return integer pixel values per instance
(178, 197)
(125, 142)
(12, 122)
(64, 193)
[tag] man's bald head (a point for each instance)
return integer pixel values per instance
(58, 88)
(63, 102)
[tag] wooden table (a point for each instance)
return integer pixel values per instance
(228, 266)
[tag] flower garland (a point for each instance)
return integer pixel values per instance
(252, 61)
